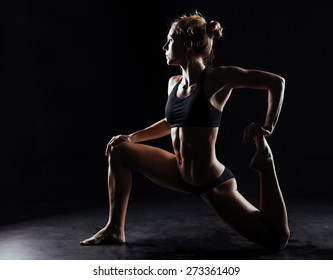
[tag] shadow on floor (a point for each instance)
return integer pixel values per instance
(184, 230)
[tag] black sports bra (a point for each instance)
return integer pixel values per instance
(194, 110)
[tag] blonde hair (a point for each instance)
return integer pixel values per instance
(195, 28)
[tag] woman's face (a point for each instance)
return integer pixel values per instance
(175, 49)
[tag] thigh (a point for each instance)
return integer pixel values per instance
(238, 213)
(158, 165)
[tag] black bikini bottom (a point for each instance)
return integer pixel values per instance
(197, 190)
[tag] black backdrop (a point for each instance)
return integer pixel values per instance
(74, 73)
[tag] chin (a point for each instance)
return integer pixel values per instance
(172, 63)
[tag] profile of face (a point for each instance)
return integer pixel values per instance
(175, 48)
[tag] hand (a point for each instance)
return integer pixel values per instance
(115, 140)
(252, 130)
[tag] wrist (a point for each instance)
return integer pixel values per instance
(266, 131)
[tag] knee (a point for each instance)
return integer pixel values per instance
(279, 241)
(118, 152)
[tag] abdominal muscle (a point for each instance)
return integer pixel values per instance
(194, 148)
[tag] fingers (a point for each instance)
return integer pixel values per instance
(115, 140)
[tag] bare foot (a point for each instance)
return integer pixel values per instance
(104, 236)
(263, 157)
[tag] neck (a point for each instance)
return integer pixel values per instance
(192, 72)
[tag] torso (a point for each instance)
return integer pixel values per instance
(194, 146)
(189, 106)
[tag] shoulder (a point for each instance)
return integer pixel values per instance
(173, 81)
(238, 77)
(220, 77)
(224, 71)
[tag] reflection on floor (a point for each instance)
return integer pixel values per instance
(172, 226)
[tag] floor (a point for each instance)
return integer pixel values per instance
(157, 229)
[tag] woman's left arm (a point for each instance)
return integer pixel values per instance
(236, 77)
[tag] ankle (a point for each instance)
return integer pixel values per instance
(116, 229)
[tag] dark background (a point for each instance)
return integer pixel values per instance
(75, 73)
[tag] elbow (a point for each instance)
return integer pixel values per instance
(278, 84)
(281, 82)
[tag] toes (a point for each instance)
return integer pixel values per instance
(87, 242)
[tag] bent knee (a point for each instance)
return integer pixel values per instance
(120, 148)
(279, 241)
(119, 152)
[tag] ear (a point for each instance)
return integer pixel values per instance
(188, 44)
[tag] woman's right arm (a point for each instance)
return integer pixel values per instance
(154, 131)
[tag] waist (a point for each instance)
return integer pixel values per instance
(194, 149)
(199, 173)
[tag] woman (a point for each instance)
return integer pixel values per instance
(193, 111)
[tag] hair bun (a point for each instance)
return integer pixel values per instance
(214, 29)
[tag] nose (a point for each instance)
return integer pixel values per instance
(165, 46)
